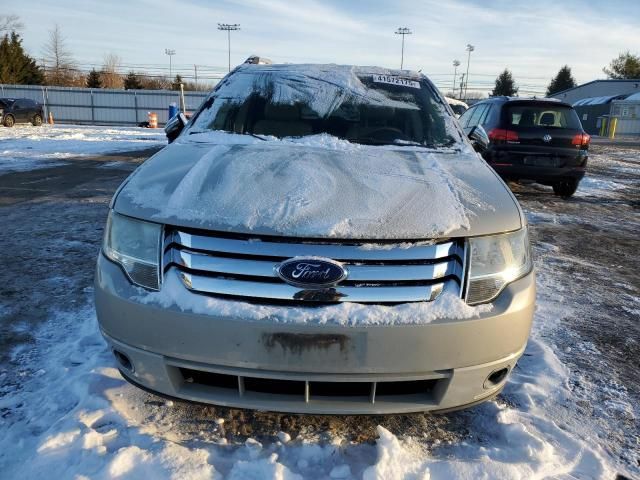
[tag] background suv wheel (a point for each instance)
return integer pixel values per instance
(37, 120)
(565, 188)
(9, 121)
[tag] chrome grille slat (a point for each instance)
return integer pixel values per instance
(219, 264)
(283, 291)
(261, 268)
(233, 266)
(335, 251)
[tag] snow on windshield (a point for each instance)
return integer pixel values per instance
(361, 104)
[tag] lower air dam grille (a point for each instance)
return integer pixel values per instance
(309, 390)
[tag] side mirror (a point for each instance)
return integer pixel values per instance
(479, 138)
(174, 127)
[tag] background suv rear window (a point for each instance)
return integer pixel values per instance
(541, 116)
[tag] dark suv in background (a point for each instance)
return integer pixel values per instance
(540, 140)
(20, 110)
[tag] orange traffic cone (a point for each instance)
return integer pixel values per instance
(50, 118)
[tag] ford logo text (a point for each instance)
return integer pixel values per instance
(311, 272)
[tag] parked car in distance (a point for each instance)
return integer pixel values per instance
(458, 106)
(540, 140)
(20, 110)
(317, 239)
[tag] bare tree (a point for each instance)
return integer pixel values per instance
(59, 64)
(10, 23)
(110, 76)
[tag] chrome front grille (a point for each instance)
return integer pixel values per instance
(244, 266)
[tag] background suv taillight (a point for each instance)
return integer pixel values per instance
(503, 135)
(581, 139)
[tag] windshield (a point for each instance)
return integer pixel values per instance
(297, 101)
(542, 115)
(5, 102)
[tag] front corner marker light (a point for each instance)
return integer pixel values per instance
(135, 246)
(495, 261)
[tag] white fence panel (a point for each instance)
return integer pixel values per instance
(103, 106)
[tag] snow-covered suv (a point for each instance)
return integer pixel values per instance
(317, 238)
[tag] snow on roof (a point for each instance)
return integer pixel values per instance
(595, 100)
(453, 101)
(633, 98)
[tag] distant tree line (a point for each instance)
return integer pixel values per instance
(60, 68)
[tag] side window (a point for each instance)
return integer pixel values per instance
(475, 118)
(18, 104)
(464, 118)
(486, 115)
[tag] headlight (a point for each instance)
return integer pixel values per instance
(135, 245)
(494, 262)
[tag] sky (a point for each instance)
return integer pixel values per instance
(531, 38)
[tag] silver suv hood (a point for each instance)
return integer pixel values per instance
(320, 190)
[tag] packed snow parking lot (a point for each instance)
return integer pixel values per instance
(570, 409)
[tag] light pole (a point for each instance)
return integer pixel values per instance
(171, 53)
(228, 27)
(470, 48)
(402, 31)
(456, 64)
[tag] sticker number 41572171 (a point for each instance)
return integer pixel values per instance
(395, 80)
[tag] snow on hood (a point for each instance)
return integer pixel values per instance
(318, 187)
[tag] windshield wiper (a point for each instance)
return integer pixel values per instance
(257, 136)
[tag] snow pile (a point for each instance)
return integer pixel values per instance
(28, 147)
(76, 418)
(447, 305)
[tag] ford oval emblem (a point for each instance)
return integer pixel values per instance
(311, 272)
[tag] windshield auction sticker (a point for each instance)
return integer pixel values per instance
(394, 80)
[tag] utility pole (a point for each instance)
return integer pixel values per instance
(171, 53)
(461, 85)
(456, 64)
(228, 27)
(402, 31)
(470, 48)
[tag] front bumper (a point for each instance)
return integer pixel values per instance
(512, 164)
(268, 365)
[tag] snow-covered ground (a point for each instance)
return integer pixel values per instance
(65, 412)
(25, 147)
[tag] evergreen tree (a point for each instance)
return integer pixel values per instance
(16, 67)
(626, 66)
(505, 85)
(132, 82)
(176, 83)
(562, 81)
(93, 79)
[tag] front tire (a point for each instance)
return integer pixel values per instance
(37, 120)
(565, 188)
(9, 121)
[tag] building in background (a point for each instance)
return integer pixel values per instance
(599, 101)
(598, 88)
(627, 111)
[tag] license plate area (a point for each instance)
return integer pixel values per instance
(540, 161)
